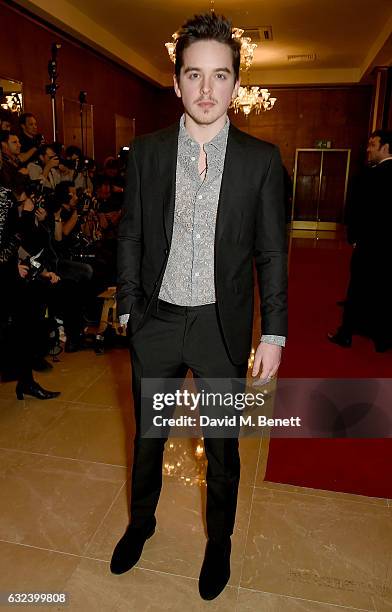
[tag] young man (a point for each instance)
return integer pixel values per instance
(46, 168)
(203, 199)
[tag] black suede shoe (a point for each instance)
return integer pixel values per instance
(129, 549)
(340, 338)
(215, 571)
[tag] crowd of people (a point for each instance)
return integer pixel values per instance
(58, 220)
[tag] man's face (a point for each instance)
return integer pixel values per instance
(30, 127)
(5, 126)
(207, 82)
(375, 151)
(14, 145)
(49, 156)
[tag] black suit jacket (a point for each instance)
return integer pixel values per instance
(250, 225)
(369, 209)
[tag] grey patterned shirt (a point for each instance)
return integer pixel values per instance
(189, 274)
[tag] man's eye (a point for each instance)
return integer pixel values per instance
(221, 75)
(193, 75)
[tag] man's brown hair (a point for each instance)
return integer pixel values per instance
(207, 27)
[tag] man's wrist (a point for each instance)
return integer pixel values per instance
(272, 339)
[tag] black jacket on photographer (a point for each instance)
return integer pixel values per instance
(37, 236)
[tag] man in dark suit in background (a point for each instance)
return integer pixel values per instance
(368, 305)
(202, 201)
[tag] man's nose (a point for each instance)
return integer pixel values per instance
(205, 86)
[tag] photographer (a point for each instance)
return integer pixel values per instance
(11, 167)
(29, 137)
(76, 168)
(13, 276)
(53, 291)
(66, 197)
(82, 241)
(46, 168)
(112, 175)
(64, 206)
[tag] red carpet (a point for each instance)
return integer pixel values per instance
(318, 278)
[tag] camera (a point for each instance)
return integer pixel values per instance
(41, 196)
(82, 249)
(32, 262)
(86, 202)
(38, 140)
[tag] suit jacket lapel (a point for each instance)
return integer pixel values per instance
(167, 162)
(231, 174)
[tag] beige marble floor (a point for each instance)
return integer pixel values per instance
(63, 500)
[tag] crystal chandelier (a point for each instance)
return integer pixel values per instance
(253, 98)
(247, 48)
(12, 102)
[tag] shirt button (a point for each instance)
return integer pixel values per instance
(197, 235)
(200, 197)
(197, 273)
(193, 158)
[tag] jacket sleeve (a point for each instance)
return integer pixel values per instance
(8, 244)
(271, 250)
(130, 240)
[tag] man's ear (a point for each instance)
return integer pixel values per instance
(236, 88)
(176, 86)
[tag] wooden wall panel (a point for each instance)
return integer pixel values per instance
(24, 53)
(304, 115)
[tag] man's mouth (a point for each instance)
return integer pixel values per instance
(206, 103)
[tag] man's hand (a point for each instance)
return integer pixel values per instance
(23, 270)
(51, 276)
(268, 356)
(52, 163)
(41, 214)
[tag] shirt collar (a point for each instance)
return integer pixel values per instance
(218, 142)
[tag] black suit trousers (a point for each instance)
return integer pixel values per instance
(173, 340)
